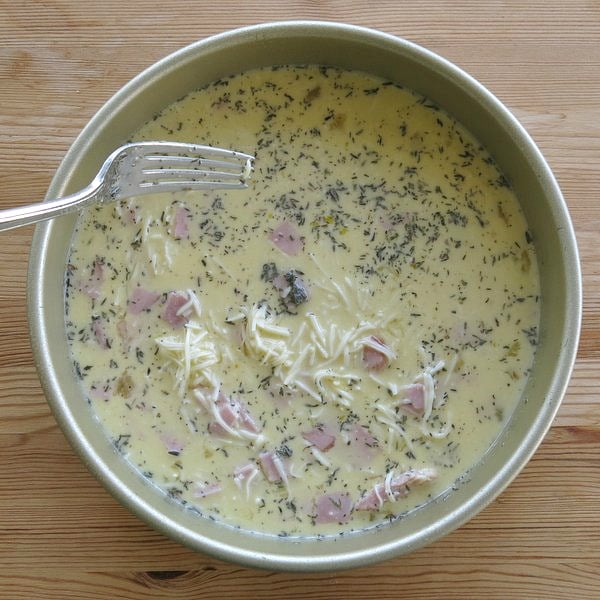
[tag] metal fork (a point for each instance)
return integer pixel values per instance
(144, 168)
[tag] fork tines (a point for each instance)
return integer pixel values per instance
(176, 166)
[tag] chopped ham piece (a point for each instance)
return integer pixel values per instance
(245, 471)
(413, 401)
(92, 287)
(240, 416)
(179, 229)
(392, 488)
(209, 489)
(101, 391)
(132, 216)
(228, 413)
(172, 313)
(375, 354)
(333, 508)
(172, 444)
(232, 415)
(320, 437)
(216, 429)
(360, 445)
(141, 300)
(273, 466)
(361, 436)
(281, 285)
(128, 212)
(100, 333)
(128, 331)
(287, 238)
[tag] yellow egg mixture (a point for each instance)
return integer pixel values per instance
(333, 346)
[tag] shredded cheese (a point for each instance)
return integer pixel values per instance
(388, 486)
(316, 359)
(429, 393)
(319, 456)
(372, 342)
(280, 468)
(263, 338)
(380, 500)
(246, 479)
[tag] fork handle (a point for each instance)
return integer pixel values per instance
(11, 218)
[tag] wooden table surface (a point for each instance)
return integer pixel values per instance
(62, 535)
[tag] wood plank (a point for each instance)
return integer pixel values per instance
(527, 581)
(539, 515)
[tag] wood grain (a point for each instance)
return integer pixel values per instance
(62, 535)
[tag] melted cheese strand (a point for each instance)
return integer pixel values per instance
(388, 486)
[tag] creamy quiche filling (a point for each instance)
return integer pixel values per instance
(330, 348)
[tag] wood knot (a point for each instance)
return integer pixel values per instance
(165, 574)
